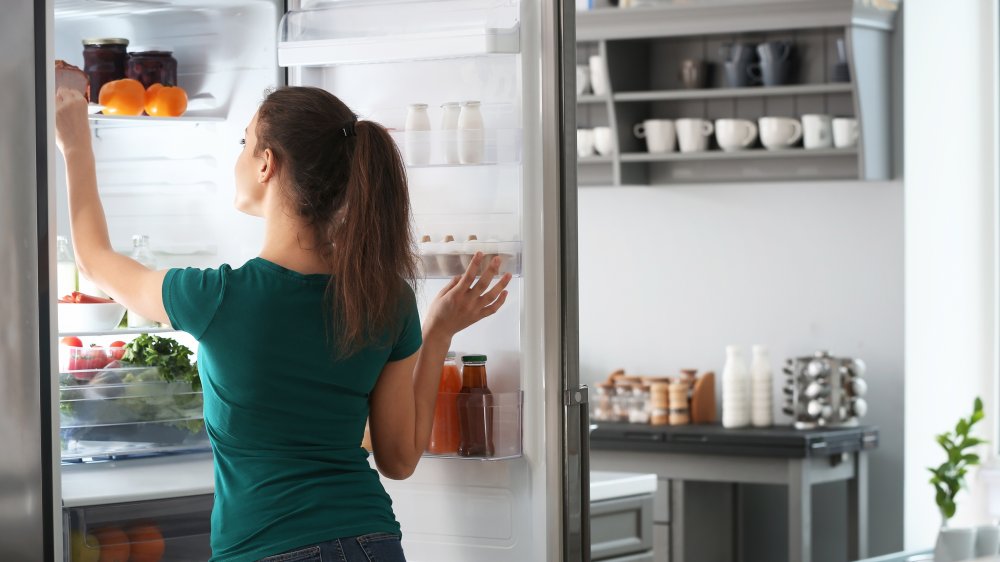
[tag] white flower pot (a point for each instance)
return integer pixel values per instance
(955, 545)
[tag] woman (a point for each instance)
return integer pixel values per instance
(299, 346)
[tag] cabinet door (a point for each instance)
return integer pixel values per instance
(176, 529)
(621, 526)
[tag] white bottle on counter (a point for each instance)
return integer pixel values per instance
(450, 113)
(417, 137)
(65, 268)
(144, 255)
(735, 389)
(760, 388)
(470, 134)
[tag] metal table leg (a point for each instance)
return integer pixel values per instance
(799, 512)
(677, 520)
(857, 509)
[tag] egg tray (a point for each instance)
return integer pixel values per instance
(824, 391)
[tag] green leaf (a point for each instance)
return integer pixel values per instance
(971, 442)
(962, 427)
(949, 509)
(971, 459)
(953, 486)
(935, 480)
(940, 497)
(977, 406)
(954, 455)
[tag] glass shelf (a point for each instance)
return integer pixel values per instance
(443, 148)
(444, 260)
(120, 331)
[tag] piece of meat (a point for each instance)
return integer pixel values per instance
(69, 76)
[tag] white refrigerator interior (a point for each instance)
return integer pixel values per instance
(481, 186)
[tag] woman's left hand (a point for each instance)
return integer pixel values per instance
(72, 127)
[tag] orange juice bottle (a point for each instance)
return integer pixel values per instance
(445, 431)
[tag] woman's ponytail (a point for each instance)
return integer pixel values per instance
(373, 241)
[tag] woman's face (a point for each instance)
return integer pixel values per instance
(252, 174)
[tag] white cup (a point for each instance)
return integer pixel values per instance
(660, 135)
(735, 134)
(582, 79)
(692, 134)
(604, 142)
(987, 541)
(599, 76)
(845, 132)
(779, 132)
(817, 131)
(584, 143)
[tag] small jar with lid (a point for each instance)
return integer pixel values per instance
(104, 60)
(659, 403)
(601, 405)
(638, 411)
(152, 65)
(621, 402)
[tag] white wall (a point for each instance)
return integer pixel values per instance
(670, 275)
(950, 211)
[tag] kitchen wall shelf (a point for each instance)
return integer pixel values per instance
(752, 154)
(724, 93)
(643, 47)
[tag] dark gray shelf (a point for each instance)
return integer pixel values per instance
(596, 160)
(725, 93)
(752, 154)
(591, 99)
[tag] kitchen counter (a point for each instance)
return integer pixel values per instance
(606, 485)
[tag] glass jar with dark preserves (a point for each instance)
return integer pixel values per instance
(104, 60)
(152, 65)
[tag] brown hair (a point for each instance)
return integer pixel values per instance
(347, 180)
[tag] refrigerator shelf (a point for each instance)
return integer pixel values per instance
(444, 148)
(494, 423)
(439, 261)
(360, 32)
(105, 121)
(120, 331)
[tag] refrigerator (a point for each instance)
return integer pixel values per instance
(512, 194)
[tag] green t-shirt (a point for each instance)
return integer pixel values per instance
(284, 413)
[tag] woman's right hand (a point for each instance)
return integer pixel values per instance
(72, 125)
(465, 300)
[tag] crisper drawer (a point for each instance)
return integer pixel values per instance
(120, 411)
(173, 530)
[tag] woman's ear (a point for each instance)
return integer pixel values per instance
(266, 169)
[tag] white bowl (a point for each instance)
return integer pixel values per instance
(94, 317)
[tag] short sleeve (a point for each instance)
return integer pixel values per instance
(410, 338)
(192, 296)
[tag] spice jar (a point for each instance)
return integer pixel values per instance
(104, 60)
(601, 405)
(678, 396)
(638, 411)
(152, 65)
(620, 402)
(659, 403)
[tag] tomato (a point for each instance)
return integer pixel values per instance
(165, 101)
(72, 341)
(117, 350)
(122, 97)
(87, 299)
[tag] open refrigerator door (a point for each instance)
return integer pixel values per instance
(471, 92)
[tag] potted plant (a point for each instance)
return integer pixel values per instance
(948, 479)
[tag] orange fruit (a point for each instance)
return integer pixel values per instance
(147, 543)
(122, 97)
(166, 101)
(114, 544)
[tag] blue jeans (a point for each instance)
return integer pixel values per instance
(376, 547)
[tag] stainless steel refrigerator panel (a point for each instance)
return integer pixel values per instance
(26, 497)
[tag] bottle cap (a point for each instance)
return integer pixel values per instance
(450, 355)
(100, 41)
(473, 359)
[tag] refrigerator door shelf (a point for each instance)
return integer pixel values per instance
(360, 32)
(453, 148)
(500, 425)
(177, 528)
(438, 263)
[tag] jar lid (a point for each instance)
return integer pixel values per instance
(100, 41)
(140, 49)
(450, 104)
(471, 103)
(418, 106)
(473, 359)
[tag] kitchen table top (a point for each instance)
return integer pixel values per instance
(606, 485)
(713, 439)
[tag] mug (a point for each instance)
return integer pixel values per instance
(582, 79)
(692, 73)
(692, 134)
(604, 142)
(775, 63)
(584, 143)
(660, 135)
(740, 74)
(735, 134)
(817, 131)
(779, 132)
(845, 132)
(599, 76)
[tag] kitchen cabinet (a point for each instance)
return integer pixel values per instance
(621, 516)
(644, 47)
